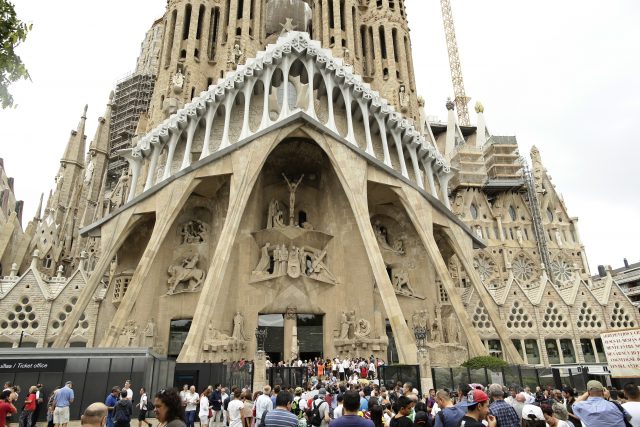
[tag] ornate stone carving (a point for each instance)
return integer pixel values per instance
(362, 329)
(293, 186)
(193, 232)
(238, 327)
(563, 271)
(420, 320)
(403, 98)
(347, 324)
(186, 273)
(400, 281)
(129, 335)
(453, 329)
(218, 341)
(177, 82)
(384, 240)
(291, 313)
(275, 217)
(523, 268)
(149, 333)
(278, 260)
(288, 26)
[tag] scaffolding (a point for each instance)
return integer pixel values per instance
(131, 99)
(538, 228)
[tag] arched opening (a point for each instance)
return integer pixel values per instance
(187, 22)
(172, 30)
(213, 32)
(302, 218)
(200, 22)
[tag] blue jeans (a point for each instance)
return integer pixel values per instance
(190, 418)
(109, 421)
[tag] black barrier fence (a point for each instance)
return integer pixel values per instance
(287, 376)
(390, 375)
(94, 372)
(515, 376)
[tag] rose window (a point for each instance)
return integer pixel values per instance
(563, 271)
(485, 267)
(523, 268)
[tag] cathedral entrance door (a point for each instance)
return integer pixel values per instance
(310, 335)
(274, 343)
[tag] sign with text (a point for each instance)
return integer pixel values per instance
(33, 365)
(623, 353)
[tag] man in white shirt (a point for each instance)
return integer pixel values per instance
(192, 400)
(337, 412)
(127, 388)
(235, 408)
(632, 393)
(263, 403)
(372, 370)
(142, 415)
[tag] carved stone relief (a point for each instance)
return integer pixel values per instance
(184, 276)
(194, 232)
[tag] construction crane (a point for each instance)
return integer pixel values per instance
(461, 99)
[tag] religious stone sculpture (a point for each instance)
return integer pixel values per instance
(235, 58)
(293, 186)
(275, 217)
(293, 264)
(401, 282)
(186, 272)
(194, 231)
(88, 173)
(403, 98)
(420, 320)
(177, 82)
(453, 329)
(347, 324)
(238, 327)
(265, 261)
(129, 335)
(436, 334)
(362, 329)
(149, 333)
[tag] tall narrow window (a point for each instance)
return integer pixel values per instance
(383, 42)
(394, 37)
(172, 31)
(187, 22)
(213, 32)
(355, 32)
(240, 9)
(227, 16)
(200, 22)
(331, 19)
(342, 16)
(253, 4)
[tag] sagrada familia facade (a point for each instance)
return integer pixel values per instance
(282, 175)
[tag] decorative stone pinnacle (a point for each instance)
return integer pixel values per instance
(450, 105)
(479, 107)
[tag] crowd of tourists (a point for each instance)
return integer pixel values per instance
(341, 404)
(336, 369)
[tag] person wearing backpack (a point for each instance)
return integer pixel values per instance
(295, 405)
(318, 414)
(122, 411)
(350, 407)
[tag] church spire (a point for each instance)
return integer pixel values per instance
(74, 152)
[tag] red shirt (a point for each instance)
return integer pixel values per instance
(32, 405)
(5, 409)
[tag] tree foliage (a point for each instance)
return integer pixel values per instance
(488, 362)
(12, 33)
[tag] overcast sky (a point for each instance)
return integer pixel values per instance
(562, 75)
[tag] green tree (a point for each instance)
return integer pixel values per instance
(12, 33)
(488, 362)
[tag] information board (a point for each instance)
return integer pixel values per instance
(623, 352)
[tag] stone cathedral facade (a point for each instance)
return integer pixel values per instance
(287, 178)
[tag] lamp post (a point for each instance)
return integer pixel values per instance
(424, 364)
(261, 337)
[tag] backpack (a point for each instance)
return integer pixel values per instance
(263, 418)
(313, 415)
(295, 407)
(624, 413)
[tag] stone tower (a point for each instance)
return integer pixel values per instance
(204, 40)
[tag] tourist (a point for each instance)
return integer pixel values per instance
(569, 399)
(339, 410)
(519, 404)
(274, 394)
(51, 407)
(549, 417)
(262, 404)
(350, 418)
(122, 411)
(506, 415)
(95, 415)
(632, 406)
(247, 410)
(39, 403)
(477, 405)
(168, 408)
(6, 406)
(61, 402)
(593, 410)
(127, 388)
(226, 398)
(143, 407)
(281, 416)
(403, 409)
(449, 415)
(296, 404)
(183, 395)
(215, 402)
(234, 409)
(203, 414)
(191, 399)
(532, 416)
(323, 407)
(375, 415)
(529, 398)
(110, 402)
(28, 407)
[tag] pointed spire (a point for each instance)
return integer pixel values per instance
(74, 152)
(38, 216)
(100, 142)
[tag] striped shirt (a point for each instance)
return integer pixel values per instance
(280, 418)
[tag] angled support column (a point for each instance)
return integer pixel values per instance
(385, 142)
(403, 164)
(510, 352)
(191, 131)
(411, 203)
(444, 179)
(173, 142)
(329, 84)
(351, 171)
(135, 166)
(153, 164)
(247, 91)
(266, 83)
(285, 67)
(175, 197)
(416, 167)
(111, 242)
(428, 168)
(211, 112)
(311, 71)
(364, 107)
(228, 105)
(346, 94)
